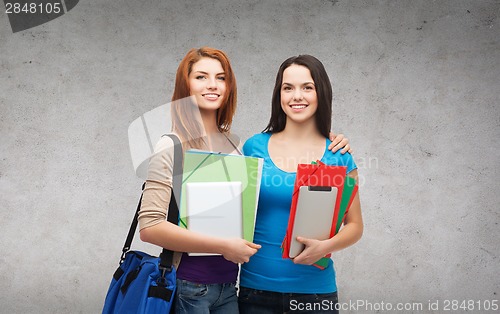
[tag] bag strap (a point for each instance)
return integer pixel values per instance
(166, 256)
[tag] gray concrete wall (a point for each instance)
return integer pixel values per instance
(416, 92)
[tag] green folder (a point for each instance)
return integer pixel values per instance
(348, 193)
(200, 166)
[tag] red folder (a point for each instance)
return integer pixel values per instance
(314, 175)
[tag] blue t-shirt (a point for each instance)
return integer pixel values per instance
(267, 270)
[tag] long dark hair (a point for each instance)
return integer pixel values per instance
(323, 115)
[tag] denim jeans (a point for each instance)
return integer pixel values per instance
(194, 298)
(253, 301)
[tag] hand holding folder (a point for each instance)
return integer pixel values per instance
(314, 177)
(205, 173)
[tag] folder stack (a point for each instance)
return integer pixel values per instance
(213, 170)
(323, 176)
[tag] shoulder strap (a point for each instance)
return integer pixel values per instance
(167, 256)
(173, 209)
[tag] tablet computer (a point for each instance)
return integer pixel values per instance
(313, 215)
(215, 208)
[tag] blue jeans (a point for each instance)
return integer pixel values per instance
(194, 298)
(253, 301)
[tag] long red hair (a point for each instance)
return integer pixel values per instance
(190, 130)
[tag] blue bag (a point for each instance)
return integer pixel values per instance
(140, 285)
(144, 283)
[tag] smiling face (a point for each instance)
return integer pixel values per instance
(299, 100)
(207, 84)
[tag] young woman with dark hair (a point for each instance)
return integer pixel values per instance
(297, 133)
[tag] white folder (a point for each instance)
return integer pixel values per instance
(215, 208)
